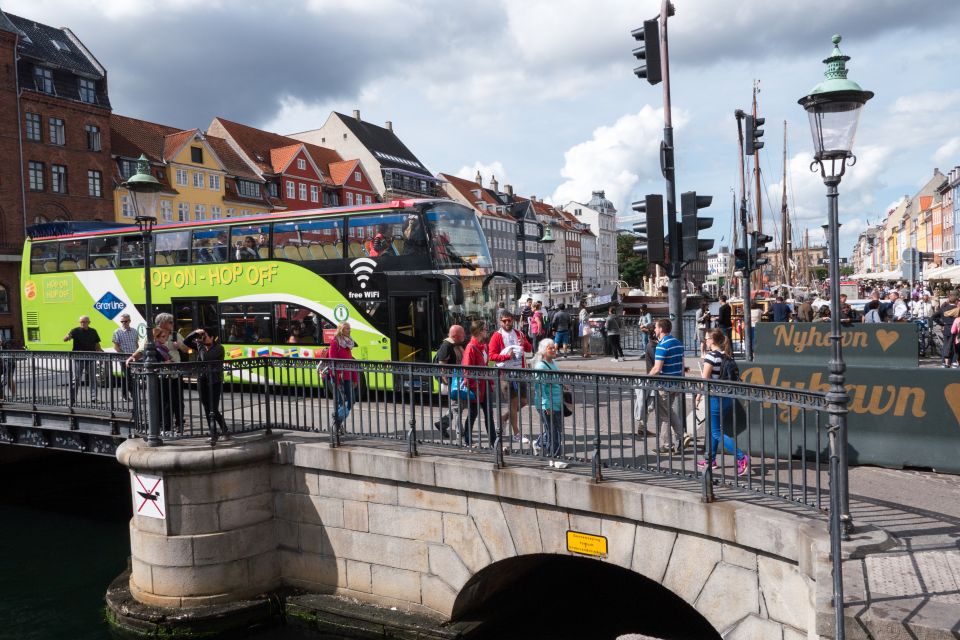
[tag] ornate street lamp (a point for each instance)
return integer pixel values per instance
(144, 191)
(548, 240)
(834, 108)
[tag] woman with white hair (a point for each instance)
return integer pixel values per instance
(549, 402)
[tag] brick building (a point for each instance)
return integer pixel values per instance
(54, 142)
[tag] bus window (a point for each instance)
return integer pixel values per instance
(43, 257)
(73, 255)
(246, 323)
(131, 252)
(381, 235)
(172, 247)
(250, 242)
(103, 252)
(295, 325)
(457, 238)
(209, 245)
(307, 240)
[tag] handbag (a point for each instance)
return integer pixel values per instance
(567, 404)
(459, 389)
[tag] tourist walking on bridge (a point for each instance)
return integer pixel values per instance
(506, 348)
(85, 338)
(210, 380)
(341, 348)
(549, 402)
(475, 355)
(125, 342)
(718, 364)
(450, 352)
(612, 325)
(668, 361)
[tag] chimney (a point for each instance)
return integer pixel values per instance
(509, 189)
(493, 183)
(533, 198)
(388, 126)
(479, 178)
(356, 114)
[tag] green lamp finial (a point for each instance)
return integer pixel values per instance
(835, 76)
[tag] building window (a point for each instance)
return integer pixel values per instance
(369, 199)
(244, 213)
(43, 79)
(349, 199)
(127, 168)
(93, 137)
(126, 207)
(248, 188)
(273, 189)
(166, 210)
(182, 177)
(33, 127)
(35, 169)
(301, 163)
(88, 91)
(215, 212)
(303, 192)
(198, 180)
(57, 135)
(291, 190)
(183, 212)
(314, 193)
(196, 155)
(214, 182)
(94, 183)
(200, 212)
(230, 212)
(4, 305)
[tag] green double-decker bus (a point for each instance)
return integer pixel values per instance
(401, 273)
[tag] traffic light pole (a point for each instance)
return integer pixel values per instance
(674, 268)
(745, 280)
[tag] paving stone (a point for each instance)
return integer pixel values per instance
(460, 534)
(358, 576)
(787, 593)
(405, 522)
(433, 499)
(524, 528)
(754, 627)
(356, 516)
(729, 595)
(447, 566)
(437, 595)
(395, 583)
(553, 525)
(243, 512)
(492, 525)
(620, 541)
(321, 510)
(691, 562)
(651, 552)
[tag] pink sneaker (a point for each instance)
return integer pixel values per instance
(702, 464)
(743, 465)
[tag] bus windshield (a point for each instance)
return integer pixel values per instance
(457, 238)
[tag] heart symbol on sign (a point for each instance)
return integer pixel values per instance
(952, 394)
(887, 338)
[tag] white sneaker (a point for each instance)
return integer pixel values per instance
(614, 360)
(536, 449)
(560, 464)
(550, 463)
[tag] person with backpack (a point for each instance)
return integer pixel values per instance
(718, 364)
(450, 352)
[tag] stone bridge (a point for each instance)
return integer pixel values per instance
(455, 539)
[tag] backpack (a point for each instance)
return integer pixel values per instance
(728, 369)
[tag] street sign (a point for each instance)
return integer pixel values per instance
(827, 261)
(586, 544)
(148, 496)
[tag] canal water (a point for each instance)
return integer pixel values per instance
(63, 539)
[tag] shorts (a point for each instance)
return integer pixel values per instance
(511, 389)
(561, 338)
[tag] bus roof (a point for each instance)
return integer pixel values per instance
(69, 229)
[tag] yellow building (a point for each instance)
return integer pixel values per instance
(202, 178)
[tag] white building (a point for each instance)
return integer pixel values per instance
(718, 264)
(601, 215)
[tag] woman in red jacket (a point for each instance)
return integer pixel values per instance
(475, 355)
(340, 349)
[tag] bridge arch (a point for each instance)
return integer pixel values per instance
(559, 596)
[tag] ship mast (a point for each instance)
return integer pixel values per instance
(785, 238)
(757, 197)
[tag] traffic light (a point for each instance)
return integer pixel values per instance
(692, 223)
(650, 231)
(649, 52)
(759, 248)
(740, 259)
(751, 139)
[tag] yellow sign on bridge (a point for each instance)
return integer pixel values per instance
(586, 544)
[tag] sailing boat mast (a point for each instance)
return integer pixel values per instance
(785, 238)
(757, 198)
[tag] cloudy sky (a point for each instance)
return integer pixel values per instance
(541, 93)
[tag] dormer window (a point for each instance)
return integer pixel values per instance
(301, 164)
(59, 45)
(43, 79)
(88, 91)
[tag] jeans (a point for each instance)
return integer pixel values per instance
(615, 350)
(210, 392)
(551, 440)
(343, 394)
(721, 414)
(79, 369)
(476, 406)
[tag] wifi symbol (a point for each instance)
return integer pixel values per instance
(362, 268)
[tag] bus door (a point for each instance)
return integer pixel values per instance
(190, 314)
(411, 317)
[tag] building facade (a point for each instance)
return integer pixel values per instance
(600, 216)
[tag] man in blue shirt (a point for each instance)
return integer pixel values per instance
(668, 361)
(781, 310)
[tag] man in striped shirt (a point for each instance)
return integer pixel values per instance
(668, 361)
(125, 341)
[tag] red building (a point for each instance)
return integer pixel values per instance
(54, 143)
(352, 182)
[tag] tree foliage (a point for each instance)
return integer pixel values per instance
(632, 267)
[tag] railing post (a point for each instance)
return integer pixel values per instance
(335, 389)
(597, 467)
(268, 414)
(412, 432)
(498, 443)
(710, 455)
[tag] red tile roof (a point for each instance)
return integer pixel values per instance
(341, 171)
(174, 142)
(466, 188)
(130, 137)
(280, 157)
(232, 162)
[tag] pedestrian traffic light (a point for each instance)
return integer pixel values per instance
(650, 231)
(751, 140)
(649, 52)
(759, 248)
(692, 223)
(740, 259)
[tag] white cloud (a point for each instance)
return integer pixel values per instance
(948, 152)
(487, 171)
(616, 158)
